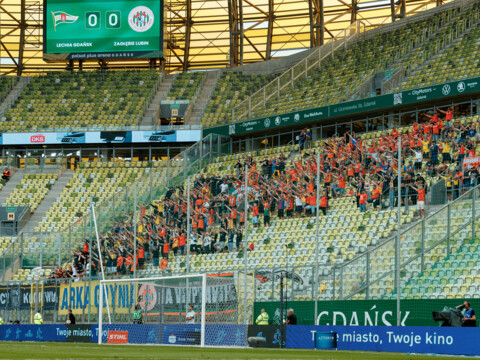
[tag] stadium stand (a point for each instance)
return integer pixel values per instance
(231, 89)
(93, 181)
(338, 81)
(6, 85)
(102, 99)
(459, 61)
(5, 241)
(448, 277)
(31, 190)
(351, 165)
(185, 86)
(345, 232)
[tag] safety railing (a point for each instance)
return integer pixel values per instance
(39, 248)
(372, 275)
(296, 73)
(443, 38)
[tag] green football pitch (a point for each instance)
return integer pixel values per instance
(16, 350)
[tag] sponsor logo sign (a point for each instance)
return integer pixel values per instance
(35, 139)
(362, 312)
(410, 339)
(79, 333)
(446, 89)
(117, 337)
(354, 107)
(185, 334)
(271, 333)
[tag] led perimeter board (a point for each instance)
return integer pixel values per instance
(102, 29)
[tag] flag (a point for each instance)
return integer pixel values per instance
(60, 17)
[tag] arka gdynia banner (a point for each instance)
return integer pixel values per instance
(102, 29)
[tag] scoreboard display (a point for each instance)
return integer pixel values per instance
(102, 29)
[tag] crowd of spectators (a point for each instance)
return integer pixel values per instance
(286, 188)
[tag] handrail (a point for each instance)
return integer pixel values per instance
(195, 97)
(462, 26)
(405, 231)
(152, 96)
(218, 73)
(301, 69)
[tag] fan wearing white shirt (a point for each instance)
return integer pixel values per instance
(206, 243)
(418, 159)
(190, 317)
(193, 243)
(223, 187)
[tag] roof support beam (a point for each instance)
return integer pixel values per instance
(317, 23)
(188, 33)
(271, 20)
(23, 25)
(354, 11)
(235, 9)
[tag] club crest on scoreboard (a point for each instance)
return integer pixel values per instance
(141, 19)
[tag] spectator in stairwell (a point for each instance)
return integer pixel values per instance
(420, 199)
(301, 140)
(391, 192)
(447, 177)
(255, 212)
(434, 153)
(141, 257)
(308, 139)
(281, 164)
(155, 256)
(265, 167)
(6, 174)
(461, 153)
(457, 183)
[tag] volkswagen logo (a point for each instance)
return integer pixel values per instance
(446, 89)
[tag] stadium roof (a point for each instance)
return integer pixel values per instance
(208, 34)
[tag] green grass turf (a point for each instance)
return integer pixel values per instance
(16, 350)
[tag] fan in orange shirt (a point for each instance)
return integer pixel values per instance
(420, 200)
(375, 194)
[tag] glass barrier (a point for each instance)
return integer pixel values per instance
(134, 197)
(372, 275)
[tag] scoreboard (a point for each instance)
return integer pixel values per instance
(102, 29)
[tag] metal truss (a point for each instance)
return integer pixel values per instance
(202, 34)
